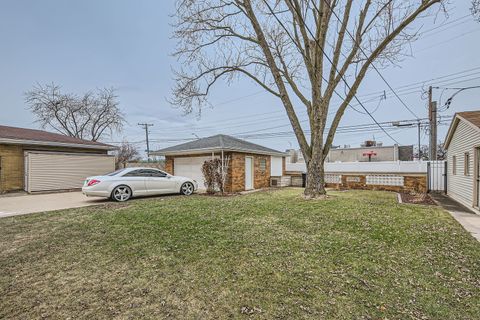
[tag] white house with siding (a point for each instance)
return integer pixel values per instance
(463, 150)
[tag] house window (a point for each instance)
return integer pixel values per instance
(466, 164)
(263, 165)
(454, 165)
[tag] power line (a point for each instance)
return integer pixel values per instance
(401, 90)
(372, 64)
(449, 100)
(446, 24)
(331, 62)
(449, 40)
(342, 130)
(348, 128)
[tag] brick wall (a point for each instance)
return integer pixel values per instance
(11, 168)
(236, 169)
(12, 176)
(261, 179)
(412, 183)
(169, 164)
(236, 172)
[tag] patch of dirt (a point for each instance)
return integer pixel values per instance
(319, 198)
(219, 195)
(417, 199)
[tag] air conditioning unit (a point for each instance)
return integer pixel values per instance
(274, 182)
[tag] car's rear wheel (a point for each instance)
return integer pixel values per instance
(121, 193)
(187, 189)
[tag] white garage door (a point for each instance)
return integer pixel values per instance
(191, 167)
(61, 171)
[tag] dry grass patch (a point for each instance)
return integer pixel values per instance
(358, 255)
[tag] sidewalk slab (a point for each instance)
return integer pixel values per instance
(466, 217)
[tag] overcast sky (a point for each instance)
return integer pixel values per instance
(88, 44)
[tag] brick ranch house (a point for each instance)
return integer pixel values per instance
(251, 166)
(37, 160)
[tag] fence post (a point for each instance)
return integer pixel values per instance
(428, 177)
(445, 175)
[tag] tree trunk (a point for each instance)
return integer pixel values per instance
(315, 186)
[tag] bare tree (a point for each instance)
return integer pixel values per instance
(126, 153)
(303, 52)
(476, 9)
(86, 117)
(441, 151)
(215, 173)
(222, 173)
(208, 171)
(425, 152)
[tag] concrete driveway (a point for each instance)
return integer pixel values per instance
(12, 205)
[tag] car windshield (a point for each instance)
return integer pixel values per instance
(114, 173)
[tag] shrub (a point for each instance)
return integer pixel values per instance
(208, 170)
(215, 173)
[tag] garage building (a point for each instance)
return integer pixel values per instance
(463, 164)
(36, 160)
(251, 166)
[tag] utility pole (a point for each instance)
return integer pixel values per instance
(434, 130)
(145, 126)
(432, 116)
(419, 146)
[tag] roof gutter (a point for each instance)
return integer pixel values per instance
(453, 126)
(217, 149)
(56, 144)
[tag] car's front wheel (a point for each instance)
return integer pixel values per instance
(121, 193)
(187, 189)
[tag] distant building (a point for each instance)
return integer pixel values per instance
(369, 151)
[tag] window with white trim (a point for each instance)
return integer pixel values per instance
(466, 164)
(263, 165)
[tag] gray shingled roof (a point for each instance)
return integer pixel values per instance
(217, 143)
(14, 135)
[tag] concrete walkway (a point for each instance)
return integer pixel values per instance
(18, 204)
(467, 218)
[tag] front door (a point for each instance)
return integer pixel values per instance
(248, 173)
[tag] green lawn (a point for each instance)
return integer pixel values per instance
(357, 255)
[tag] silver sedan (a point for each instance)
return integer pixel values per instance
(123, 184)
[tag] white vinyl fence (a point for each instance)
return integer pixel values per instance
(360, 167)
(383, 172)
(437, 171)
